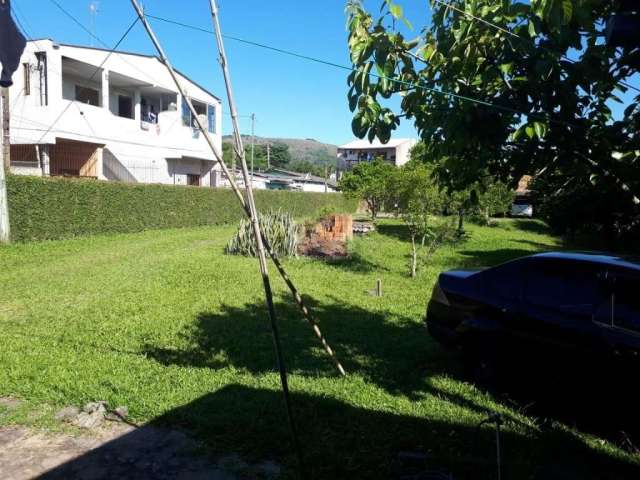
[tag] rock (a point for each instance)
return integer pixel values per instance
(92, 407)
(67, 414)
(92, 415)
(89, 420)
(120, 414)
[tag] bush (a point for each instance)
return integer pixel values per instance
(280, 229)
(43, 208)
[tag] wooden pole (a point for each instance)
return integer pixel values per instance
(6, 129)
(294, 291)
(4, 164)
(256, 230)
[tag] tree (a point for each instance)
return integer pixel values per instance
(419, 199)
(369, 181)
(526, 89)
(496, 199)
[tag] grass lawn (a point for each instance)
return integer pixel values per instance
(165, 323)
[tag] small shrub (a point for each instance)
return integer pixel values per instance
(279, 228)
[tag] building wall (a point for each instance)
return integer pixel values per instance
(131, 153)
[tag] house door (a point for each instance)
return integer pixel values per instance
(193, 180)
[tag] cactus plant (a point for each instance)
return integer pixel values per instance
(279, 228)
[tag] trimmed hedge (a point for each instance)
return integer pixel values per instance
(43, 208)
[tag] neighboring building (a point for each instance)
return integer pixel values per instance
(278, 179)
(522, 202)
(396, 151)
(124, 120)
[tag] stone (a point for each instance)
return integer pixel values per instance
(120, 414)
(67, 414)
(92, 407)
(92, 415)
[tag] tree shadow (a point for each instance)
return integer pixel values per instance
(393, 352)
(340, 440)
(532, 226)
(397, 231)
(355, 263)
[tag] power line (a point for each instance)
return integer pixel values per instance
(375, 75)
(515, 35)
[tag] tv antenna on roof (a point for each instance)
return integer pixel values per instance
(94, 9)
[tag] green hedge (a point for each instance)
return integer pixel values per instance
(55, 208)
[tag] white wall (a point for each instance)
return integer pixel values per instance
(130, 151)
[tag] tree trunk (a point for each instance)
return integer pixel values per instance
(414, 256)
(461, 222)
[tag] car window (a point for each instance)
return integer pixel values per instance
(570, 287)
(627, 303)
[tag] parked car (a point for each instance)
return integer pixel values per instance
(522, 206)
(584, 306)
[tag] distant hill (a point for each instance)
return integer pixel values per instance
(301, 150)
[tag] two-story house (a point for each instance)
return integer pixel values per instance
(79, 111)
(395, 151)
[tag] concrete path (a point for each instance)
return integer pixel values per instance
(117, 452)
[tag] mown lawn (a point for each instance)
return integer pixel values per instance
(165, 323)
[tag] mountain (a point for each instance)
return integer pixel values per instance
(301, 150)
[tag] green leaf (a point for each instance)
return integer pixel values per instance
(567, 11)
(530, 131)
(532, 29)
(396, 10)
(506, 68)
(540, 129)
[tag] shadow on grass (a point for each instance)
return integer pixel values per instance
(355, 263)
(397, 230)
(532, 226)
(393, 352)
(341, 441)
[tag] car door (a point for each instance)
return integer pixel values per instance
(619, 315)
(559, 300)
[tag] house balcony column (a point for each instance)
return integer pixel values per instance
(105, 89)
(45, 159)
(137, 105)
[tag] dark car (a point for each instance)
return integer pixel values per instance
(583, 306)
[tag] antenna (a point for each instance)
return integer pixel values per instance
(94, 9)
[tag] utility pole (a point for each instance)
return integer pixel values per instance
(326, 175)
(268, 156)
(5, 163)
(6, 129)
(253, 142)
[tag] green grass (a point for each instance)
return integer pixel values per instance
(165, 323)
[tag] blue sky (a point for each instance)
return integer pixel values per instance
(290, 97)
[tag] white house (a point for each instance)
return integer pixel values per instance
(395, 151)
(123, 120)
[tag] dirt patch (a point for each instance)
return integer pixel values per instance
(118, 452)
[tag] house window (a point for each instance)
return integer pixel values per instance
(193, 180)
(211, 118)
(125, 106)
(87, 95)
(27, 78)
(186, 113)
